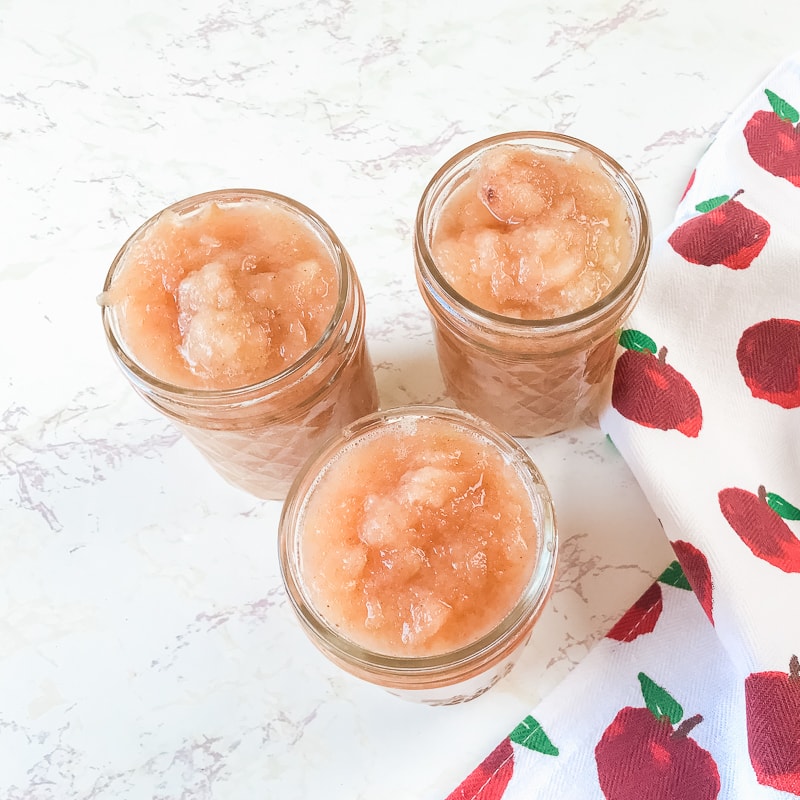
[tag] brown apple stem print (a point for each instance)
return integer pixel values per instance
(726, 232)
(650, 392)
(773, 139)
(769, 360)
(642, 755)
(758, 519)
(772, 707)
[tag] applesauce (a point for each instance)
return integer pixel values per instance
(426, 574)
(239, 315)
(530, 252)
(227, 296)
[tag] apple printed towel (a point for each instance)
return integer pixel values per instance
(688, 700)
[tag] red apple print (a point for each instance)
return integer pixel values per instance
(488, 781)
(642, 756)
(689, 184)
(695, 567)
(726, 232)
(769, 360)
(640, 618)
(650, 392)
(643, 615)
(759, 521)
(773, 139)
(772, 706)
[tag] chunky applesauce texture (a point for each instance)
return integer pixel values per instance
(533, 234)
(418, 539)
(223, 297)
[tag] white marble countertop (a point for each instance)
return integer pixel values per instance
(146, 646)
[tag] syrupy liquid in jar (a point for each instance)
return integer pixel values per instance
(533, 235)
(530, 252)
(239, 315)
(418, 549)
(424, 554)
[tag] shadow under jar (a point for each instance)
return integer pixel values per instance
(239, 315)
(427, 575)
(530, 252)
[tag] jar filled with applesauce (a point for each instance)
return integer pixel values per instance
(530, 252)
(425, 576)
(239, 315)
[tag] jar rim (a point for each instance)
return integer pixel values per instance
(458, 304)
(424, 668)
(192, 204)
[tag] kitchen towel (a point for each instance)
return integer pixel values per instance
(696, 694)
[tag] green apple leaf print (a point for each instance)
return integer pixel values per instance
(673, 576)
(783, 109)
(660, 702)
(529, 733)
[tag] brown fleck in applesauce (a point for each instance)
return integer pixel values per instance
(429, 569)
(530, 251)
(239, 315)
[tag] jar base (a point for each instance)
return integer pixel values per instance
(458, 693)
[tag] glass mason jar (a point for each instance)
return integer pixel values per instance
(452, 674)
(531, 377)
(257, 436)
